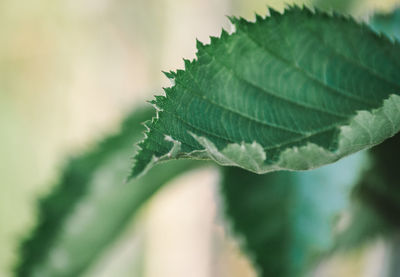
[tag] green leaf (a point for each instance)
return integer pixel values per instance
(376, 198)
(380, 186)
(291, 91)
(377, 195)
(365, 226)
(285, 220)
(335, 5)
(387, 23)
(91, 204)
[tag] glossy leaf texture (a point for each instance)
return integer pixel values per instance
(285, 220)
(291, 91)
(91, 204)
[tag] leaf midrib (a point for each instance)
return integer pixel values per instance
(272, 94)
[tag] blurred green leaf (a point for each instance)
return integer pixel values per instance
(380, 185)
(285, 220)
(91, 204)
(376, 207)
(364, 226)
(291, 91)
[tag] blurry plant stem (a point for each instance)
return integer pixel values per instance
(393, 267)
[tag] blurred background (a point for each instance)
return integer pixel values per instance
(70, 71)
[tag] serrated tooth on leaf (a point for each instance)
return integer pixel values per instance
(156, 107)
(146, 126)
(213, 39)
(309, 6)
(186, 63)
(258, 17)
(172, 84)
(168, 74)
(233, 19)
(199, 44)
(168, 91)
(274, 12)
(159, 99)
(224, 34)
(231, 27)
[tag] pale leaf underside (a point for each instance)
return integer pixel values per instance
(291, 91)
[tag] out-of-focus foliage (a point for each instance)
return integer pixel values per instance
(376, 205)
(69, 71)
(91, 204)
(57, 56)
(364, 226)
(285, 220)
(380, 186)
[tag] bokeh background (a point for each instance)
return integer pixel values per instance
(69, 72)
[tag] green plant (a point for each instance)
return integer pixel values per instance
(293, 91)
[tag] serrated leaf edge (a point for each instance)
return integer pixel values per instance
(224, 157)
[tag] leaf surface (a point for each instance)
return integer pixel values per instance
(387, 23)
(291, 91)
(91, 204)
(285, 220)
(377, 195)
